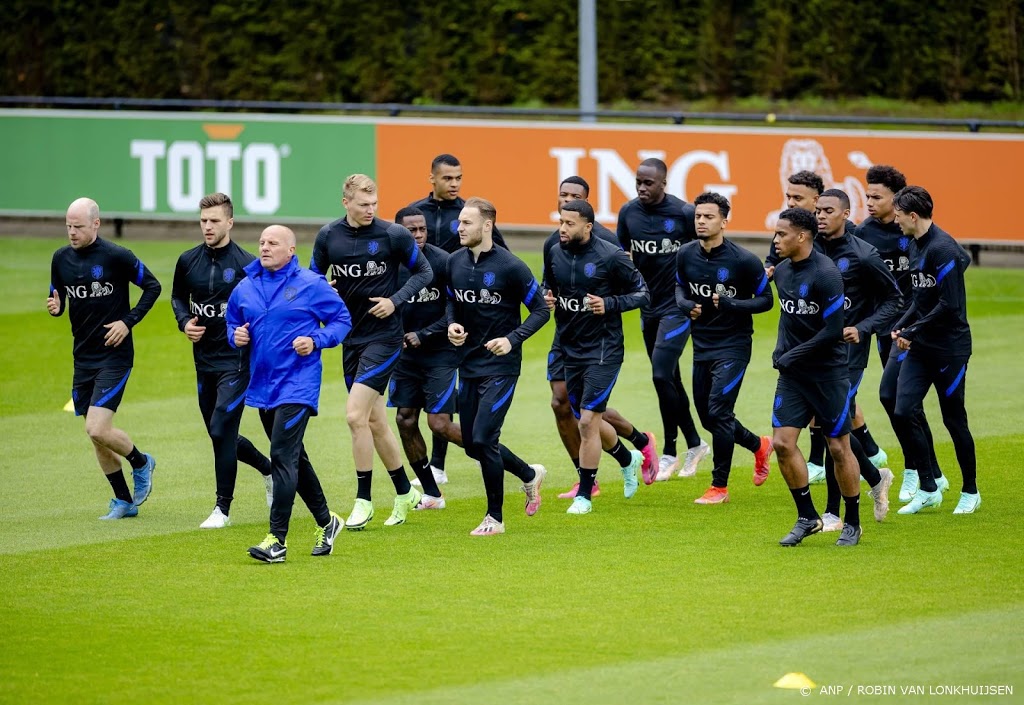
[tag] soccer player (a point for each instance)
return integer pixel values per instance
(592, 283)
(881, 230)
(719, 286)
(652, 227)
(486, 286)
(362, 255)
(286, 315)
(575, 188)
(427, 370)
(811, 358)
(871, 305)
(204, 278)
(936, 337)
(90, 278)
(802, 192)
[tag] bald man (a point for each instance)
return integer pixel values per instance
(90, 277)
(286, 315)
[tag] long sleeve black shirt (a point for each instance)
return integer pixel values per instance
(599, 268)
(810, 343)
(484, 297)
(443, 223)
(653, 235)
(204, 278)
(425, 313)
(93, 285)
(365, 262)
(724, 332)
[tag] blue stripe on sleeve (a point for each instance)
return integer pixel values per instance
(944, 271)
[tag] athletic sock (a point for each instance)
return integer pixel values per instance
(852, 510)
(265, 467)
(669, 449)
(834, 493)
(137, 459)
(575, 463)
(364, 480)
(866, 441)
(426, 477)
(817, 454)
(868, 471)
(622, 456)
(638, 439)
(587, 478)
(804, 504)
(401, 480)
(120, 487)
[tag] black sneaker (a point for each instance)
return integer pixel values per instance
(850, 536)
(325, 536)
(269, 550)
(801, 530)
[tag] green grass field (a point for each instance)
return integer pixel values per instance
(652, 600)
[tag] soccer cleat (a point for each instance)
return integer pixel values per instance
(325, 535)
(714, 495)
(830, 522)
(880, 494)
(580, 505)
(629, 478)
(570, 494)
(850, 536)
(921, 500)
(362, 512)
(942, 482)
(879, 459)
(119, 509)
(216, 520)
(761, 460)
(143, 478)
(269, 550)
(649, 469)
(693, 457)
(666, 467)
(428, 502)
(488, 527)
(268, 480)
(532, 490)
(815, 474)
(403, 503)
(911, 481)
(801, 530)
(968, 503)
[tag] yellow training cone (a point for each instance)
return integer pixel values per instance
(70, 406)
(794, 681)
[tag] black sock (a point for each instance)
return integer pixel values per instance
(426, 477)
(622, 456)
(804, 503)
(669, 449)
(576, 464)
(120, 487)
(866, 441)
(638, 439)
(364, 479)
(817, 454)
(834, 493)
(136, 458)
(852, 510)
(587, 477)
(401, 480)
(265, 467)
(225, 504)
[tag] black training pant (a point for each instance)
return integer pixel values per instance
(716, 386)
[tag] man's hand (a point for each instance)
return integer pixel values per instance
(549, 299)
(456, 334)
(194, 331)
(851, 334)
(242, 335)
(116, 333)
(715, 300)
(596, 304)
(499, 346)
(383, 308)
(53, 303)
(695, 312)
(902, 343)
(303, 345)
(411, 340)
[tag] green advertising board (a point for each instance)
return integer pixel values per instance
(158, 165)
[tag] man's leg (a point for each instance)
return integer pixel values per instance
(228, 404)
(913, 384)
(951, 385)
(565, 421)
(408, 422)
(791, 411)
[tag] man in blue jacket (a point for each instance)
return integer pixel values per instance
(287, 315)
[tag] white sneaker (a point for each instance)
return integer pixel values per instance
(428, 502)
(268, 480)
(216, 520)
(815, 474)
(880, 494)
(440, 476)
(693, 458)
(488, 527)
(830, 522)
(666, 467)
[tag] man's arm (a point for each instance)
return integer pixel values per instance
(234, 316)
(333, 314)
(882, 281)
(950, 290)
(761, 301)
(144, 279)
(630, 281)
(180, 294)
(682, 287)
(832, 301)
(57, 291)
(414, 260)
(533, 299)
(319, 261)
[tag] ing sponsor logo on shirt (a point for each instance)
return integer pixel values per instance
(472, 296)
(666, 246)
(358, 270)
(799, 307)
(922, 280)
(706, 290)
(208, 310)
(425, 295)
(573, 305)
(93, 291)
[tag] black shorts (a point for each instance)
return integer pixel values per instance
(556, 364)
(666, 332)
(798, 401)
(424, 382)
(370, 364)
(103, 387)
(856, 376)
(589, 386)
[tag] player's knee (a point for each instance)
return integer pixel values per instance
(97, 431)
(406, 420)
(560, 406)
(438, 424)
(785, 447)
(357, 419)
(474, 451)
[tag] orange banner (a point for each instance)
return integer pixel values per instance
(518, 166)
